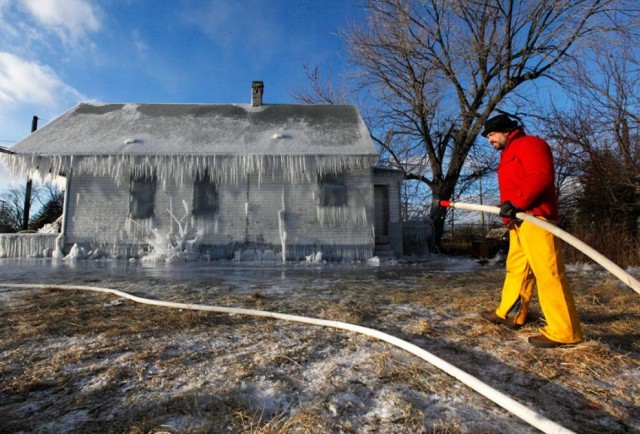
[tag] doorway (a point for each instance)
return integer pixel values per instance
(381, 204)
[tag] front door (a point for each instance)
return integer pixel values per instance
(381, 202)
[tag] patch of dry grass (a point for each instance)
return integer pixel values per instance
(300, 421)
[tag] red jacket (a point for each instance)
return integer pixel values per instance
(526, 176)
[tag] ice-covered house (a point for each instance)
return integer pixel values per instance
(233, 180)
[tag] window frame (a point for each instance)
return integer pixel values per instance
(333, 190)
(205, 200)
(142, 193)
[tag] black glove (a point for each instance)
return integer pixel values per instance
(508, 210)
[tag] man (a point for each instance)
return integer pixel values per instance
(526, 182)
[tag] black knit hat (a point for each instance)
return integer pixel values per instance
(501, 123)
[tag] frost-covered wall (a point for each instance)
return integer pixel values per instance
(265, 213)
(27, 245)
(269, 164)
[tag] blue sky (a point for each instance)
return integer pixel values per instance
(56, 53)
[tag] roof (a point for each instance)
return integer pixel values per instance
(202, 129)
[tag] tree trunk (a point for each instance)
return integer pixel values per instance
(442, 190)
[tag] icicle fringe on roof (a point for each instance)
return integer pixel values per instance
(184, 168)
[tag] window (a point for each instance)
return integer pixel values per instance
(333, 191)
(205, 196)
(142, 191)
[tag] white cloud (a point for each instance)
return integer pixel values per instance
(26, 89)
(70, 19)
(25, 82)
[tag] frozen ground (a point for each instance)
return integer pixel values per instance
(73, 361)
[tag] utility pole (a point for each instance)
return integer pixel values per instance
(27, 194)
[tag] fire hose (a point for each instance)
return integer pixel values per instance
(609, 265)
(514, 407)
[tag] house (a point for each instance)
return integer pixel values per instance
(230, 180)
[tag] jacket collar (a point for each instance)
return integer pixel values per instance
(518, 132)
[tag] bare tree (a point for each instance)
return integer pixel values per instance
(5, 218)
(567, 156)
(603, 132)
(47, 199)
(12, 205)
(435, 70)
(52, 201)
(321, 90)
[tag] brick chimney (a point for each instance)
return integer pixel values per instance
(257, 89)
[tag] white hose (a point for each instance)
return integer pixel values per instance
(514, 407)
(625, 277)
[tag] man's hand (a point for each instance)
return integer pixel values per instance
(507, 209)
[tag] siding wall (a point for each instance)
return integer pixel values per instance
(249, 216)
(97, 210)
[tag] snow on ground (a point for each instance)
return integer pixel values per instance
(81, 362)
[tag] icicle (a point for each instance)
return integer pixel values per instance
(170, 212)
(180, 168)
(27, 245)
(283, 234)
(58, 252)
(342, 216)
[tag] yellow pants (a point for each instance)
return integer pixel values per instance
(535, 257)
